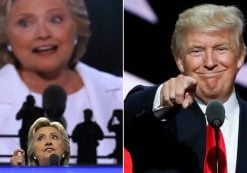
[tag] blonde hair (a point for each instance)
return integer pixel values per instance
(208, 18)
(79, 14)
(45, 122)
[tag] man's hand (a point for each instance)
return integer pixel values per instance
(178, 91)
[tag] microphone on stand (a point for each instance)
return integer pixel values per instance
(54, 103)
(215, 113)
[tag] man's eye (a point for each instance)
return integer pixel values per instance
(196, 52)
(222, 48)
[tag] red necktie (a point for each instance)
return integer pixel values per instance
(127, 161)
(210, 155)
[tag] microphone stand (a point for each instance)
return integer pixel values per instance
(217, 165)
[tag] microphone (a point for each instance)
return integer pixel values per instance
(215, 113)
(54, 102)
(54, 160)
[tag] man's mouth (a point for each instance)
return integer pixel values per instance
(211, 74)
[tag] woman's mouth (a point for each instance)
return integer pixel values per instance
(45, 49)
(49, 149)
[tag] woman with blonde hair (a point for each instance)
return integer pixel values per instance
(45, 138)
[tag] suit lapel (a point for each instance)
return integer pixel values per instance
(242, 139)
(191, 130)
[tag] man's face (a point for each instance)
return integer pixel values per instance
(213, 59)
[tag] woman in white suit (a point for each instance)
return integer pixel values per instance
(41, 43)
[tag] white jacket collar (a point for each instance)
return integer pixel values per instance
(11, 85)
(101, 87)
(96, 82)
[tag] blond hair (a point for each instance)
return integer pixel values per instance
(208, 18)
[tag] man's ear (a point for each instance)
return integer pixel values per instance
(179, 63)
(241, 59)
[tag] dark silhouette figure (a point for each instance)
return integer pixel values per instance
(117, 128)
(28, 113)
(87, 134)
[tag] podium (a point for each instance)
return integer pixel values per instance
(68, 169)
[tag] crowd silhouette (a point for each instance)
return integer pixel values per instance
(87, 134)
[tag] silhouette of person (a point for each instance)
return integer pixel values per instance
(117, 128)
(28, 113)
(87, 134)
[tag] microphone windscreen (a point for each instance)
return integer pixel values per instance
(54, 160)
(54, 100)
(215, 113)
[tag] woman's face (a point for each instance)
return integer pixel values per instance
(42, 34)
(47, 141)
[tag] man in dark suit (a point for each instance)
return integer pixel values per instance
(165, 125)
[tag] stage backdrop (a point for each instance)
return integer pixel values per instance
(148, 26)
(105, 50)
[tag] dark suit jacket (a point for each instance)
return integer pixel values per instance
(174, 145)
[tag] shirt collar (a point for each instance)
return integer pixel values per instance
(230, 105)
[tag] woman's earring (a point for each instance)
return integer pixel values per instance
(9, 48)
(75, 42)
(34, 158)
(63, 156)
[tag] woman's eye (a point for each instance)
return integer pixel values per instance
(40, 138)
(56, 19)
(54, 137)
(24, 23)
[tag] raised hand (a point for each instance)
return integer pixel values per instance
(178, 91)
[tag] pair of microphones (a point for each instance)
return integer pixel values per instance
(54, 102)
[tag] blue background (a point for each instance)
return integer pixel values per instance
(99, 169)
